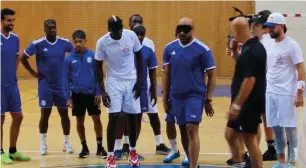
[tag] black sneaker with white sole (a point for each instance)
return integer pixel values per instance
(101, 152)
(84, 153)
(270, 154)
(162, 149)
(231, 161)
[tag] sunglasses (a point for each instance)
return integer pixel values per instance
(183, 28)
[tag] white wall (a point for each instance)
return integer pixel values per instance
(296, 25)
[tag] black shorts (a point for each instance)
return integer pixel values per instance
(247, 122)
(83, 102)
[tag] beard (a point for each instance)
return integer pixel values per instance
(274, 35)
(8, 28)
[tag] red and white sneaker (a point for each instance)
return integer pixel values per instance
(111, 162)
(133, 159)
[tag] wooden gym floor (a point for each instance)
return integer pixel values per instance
(214, 150)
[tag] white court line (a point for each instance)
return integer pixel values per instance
(144, 153)
(38, 114)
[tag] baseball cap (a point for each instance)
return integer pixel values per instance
(275, 19)
(261, 17)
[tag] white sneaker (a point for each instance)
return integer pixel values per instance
(68, 147)
(43, 149)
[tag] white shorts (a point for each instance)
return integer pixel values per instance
(151, 108)
(121, 95)
(280, 110)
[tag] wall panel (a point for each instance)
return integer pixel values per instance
(160, 19)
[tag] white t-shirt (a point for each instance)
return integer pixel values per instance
(149, 43)
(267, 42)
(282, 73)
(119, 54)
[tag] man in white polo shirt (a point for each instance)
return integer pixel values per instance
(285, 88)
(119, 48)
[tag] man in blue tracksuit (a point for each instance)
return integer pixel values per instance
(82, 91)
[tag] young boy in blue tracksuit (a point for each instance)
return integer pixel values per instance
(82, 91)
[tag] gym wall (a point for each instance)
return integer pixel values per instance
(160, 19)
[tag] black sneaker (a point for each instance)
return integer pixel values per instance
(125, 151)
(84, 153)
(162, 149)
(101, 152)
(270, 154)
(248, 163)
(231, 161)
(239, 165)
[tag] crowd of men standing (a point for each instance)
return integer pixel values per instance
(268, 79)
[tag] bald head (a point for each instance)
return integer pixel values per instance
(240, 29)
(240, 24)
(185, 21)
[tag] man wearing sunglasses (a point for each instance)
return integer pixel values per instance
(186, 60)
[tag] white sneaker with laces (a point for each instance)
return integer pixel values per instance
(68, 147)
(43, 149)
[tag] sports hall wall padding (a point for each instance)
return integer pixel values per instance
(160, 19)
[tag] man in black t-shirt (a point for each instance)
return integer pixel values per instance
(248, 88)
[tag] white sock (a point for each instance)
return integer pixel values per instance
(158, 139)
(118, 144)
(67, 139)
(110, 154)
(126, 140)
(43, 139)
(132, 148)
(173, 145)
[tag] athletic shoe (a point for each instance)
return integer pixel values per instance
(231, 161)
(172, 156)
(248, 163)
(67, 147)
(118, 154)
(270, 154)
(101, 152)
(290, 166)
(84, 153)
(239, 165)
(133, 159)
(141, 158)
(279, 165)
(111, 162)
(19, 156)
(6, 159)
(185, 162)
(125, 151)
(43, 149)
(162, 149)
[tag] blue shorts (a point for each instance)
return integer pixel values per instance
(144, 103)
(188, 109)
(49, 97)
(10, 99)
(170, 118)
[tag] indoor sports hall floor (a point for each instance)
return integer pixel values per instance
(214, 150)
